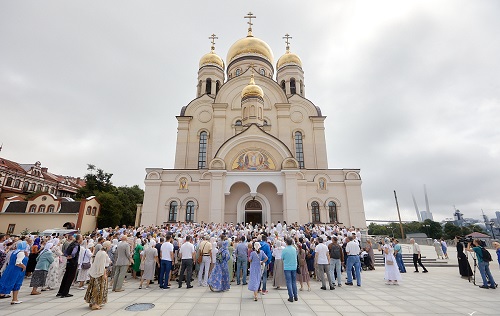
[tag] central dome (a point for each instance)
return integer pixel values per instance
(250, 45)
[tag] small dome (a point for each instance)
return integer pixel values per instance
(288, 58)
(211, 59)
(252, 90)
(250, 45)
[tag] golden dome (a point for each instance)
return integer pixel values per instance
(252, 90)
(288, 58)
(252, 46)
(211, 59)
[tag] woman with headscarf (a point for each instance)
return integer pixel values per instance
(13, 276)
(97, 291)
(84, 264)
(136, 267)
(35, 248)
(279, 271)
(150, 261)
(43, 262)
(392, 274)
(257, 259)
(219, 278)
(53, 276)
(439, 250)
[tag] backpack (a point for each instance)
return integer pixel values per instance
(486, 255)
(334, 251)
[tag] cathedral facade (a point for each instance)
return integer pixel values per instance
(251, 148)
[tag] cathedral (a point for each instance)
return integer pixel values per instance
(251, 148)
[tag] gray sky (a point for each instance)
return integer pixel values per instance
(410, 88)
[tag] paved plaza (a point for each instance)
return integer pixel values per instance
(440, 292)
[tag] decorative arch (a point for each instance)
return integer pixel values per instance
(254, 134)
(153, 175)
(266, 207)
(351, 175)
(217, 164)
(290, 163)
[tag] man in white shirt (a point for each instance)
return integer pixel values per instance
(322, 260)
(352, 249)
(187, 255)
(166, 255)
(417, 256)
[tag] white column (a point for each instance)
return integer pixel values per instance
(355, 205)
(217, 197)
(291, 211)
(152, 208)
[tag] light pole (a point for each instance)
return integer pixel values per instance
(492, 223)
(392, 229)
(427, 229)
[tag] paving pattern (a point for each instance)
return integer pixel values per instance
(440, 292)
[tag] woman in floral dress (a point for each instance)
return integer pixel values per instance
(219, 278)
(54, 277)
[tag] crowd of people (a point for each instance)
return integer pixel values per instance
(212, 254)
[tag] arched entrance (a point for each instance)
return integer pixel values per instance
(253, 212)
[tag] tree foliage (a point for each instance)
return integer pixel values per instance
(118, 204)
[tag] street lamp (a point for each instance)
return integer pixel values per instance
(492, 223)
(427, 229)
(392, 229)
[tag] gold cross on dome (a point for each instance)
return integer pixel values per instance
(287, 38)
(250, 16)
(213, 37)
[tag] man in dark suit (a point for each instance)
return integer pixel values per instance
(72, 253)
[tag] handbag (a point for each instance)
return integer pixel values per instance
(200, 256)
(85, 265)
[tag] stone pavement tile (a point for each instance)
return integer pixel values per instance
(201, 312)
(75, 311)
(358, 302)
(184, 299)
(330, 313)
(252, 313)
(371, 309)
(272, 301)
(228, 307)
(393, 309)
(164, 299)
(252, 307)
(322, 308)
(211, 300)
(206, 307)
(346, 309)
(182, 306)
(178, 312)
(230, 300)
(25, 312)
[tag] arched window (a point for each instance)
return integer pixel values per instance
(51, 190)
(190, 211)
(262, 72)
(32, 208)
(202, 153)
(26, 186)
(41, 209)
(283, 87)
(208, 87)
(17, 183)
(39, 187)
(45, 189)
(94, 211)
(50, 209)
(332, 212)
(245, 113)
(315, 212)
(266, 123)
(89, 209)
(199, 88)
(252, 111)
(238, 72)
(172, 212)
(237, 123)
(293, 88)
(217, 86)
(299, 149)
(8, 182)
(32, 187)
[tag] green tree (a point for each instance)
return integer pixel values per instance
(118, 204)
(451, 230)
(375, 229)
(433, 231)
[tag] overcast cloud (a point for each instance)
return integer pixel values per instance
(411, 88)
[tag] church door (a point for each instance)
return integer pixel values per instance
(253, 212)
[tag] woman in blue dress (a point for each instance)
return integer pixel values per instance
(219, 278)
(257, 259)
(13, 277)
